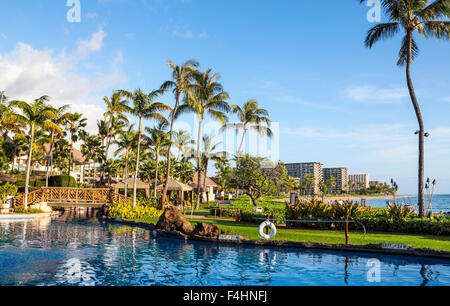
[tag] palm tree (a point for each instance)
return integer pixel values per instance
(75, 125)
(61, 117)
(159, 141)
(93, 150)
(8, 119)
(181, 80)
(251, 117)
(145, 107)
(35, 115)
(409, 16)
(102, 126)
(205, 96)
(182, 140)
(126, 142)
(117, 106)
(209, 153)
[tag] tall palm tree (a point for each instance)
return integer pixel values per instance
(117, 106)
(93, 150)
(102, 126)
(75, 126)
(209, 153)
(182, 140)
(35, 115)
(205, 96)
(8, 120)
(145, 107)
(427, 18)
(126, 142)
(61, 117)
(181, 80)
(158, 139)
(251, 117)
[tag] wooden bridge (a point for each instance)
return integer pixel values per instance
(72, 198)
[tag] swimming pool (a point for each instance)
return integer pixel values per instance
(67, 251)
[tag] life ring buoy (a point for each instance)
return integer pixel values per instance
(263, 226)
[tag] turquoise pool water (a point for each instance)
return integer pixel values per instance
(71, 251)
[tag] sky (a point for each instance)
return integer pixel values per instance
(332, 100)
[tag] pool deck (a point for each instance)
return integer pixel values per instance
(21, 217)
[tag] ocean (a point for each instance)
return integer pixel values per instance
(440, 203)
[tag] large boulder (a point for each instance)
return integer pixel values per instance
(172, 220)
(207, 230)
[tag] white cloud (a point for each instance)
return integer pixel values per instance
(374, 94)
(94, 44)
(28, 73)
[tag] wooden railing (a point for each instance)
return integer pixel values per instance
(71, 196)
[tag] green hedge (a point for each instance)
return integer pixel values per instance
(374, 220)
(62, 181)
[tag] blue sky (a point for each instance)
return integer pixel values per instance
(335, 101)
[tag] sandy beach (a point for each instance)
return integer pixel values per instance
(352, 198)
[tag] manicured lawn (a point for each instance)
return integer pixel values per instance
(250, 231)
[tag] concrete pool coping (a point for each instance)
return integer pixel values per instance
(369, 248)
(22, 217)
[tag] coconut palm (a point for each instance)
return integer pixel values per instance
(126, 142)
(182, 140)
(61, 117)
(102, 126)
(159, 141)
(93, 150)
(205, 96)
(181, 80)
(145, 107)
(424, 17)
(8, 119)
(208, 153)
(117, 107)
(75, 123)
(35, 115)
(251, 117)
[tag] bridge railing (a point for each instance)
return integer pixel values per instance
(71, 196)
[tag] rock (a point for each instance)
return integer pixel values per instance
(207, 230)
(172, 220)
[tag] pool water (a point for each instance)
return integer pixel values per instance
(68, 250)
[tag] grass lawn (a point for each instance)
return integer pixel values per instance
(250, 231)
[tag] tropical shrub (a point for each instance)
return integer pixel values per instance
(397, 212)
(126, 211)
(7, 190)
(62, 181)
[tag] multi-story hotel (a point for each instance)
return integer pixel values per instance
(303, 170)
(358, 181)
(340, 177)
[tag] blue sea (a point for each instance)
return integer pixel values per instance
(440, 202)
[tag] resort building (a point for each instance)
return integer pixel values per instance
(309, 174)
(340, 176)
(357, 182)
(208, 195)
(39, 168)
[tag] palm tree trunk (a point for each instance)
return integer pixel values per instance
(421, 195)
(126, 174)
(199, 138)
(70, 162)
(48, 162)
(30, 156)
(204, 181)
(137, 163)
(242, 142)
(170, 147)
(156, 178)
(94, 175)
